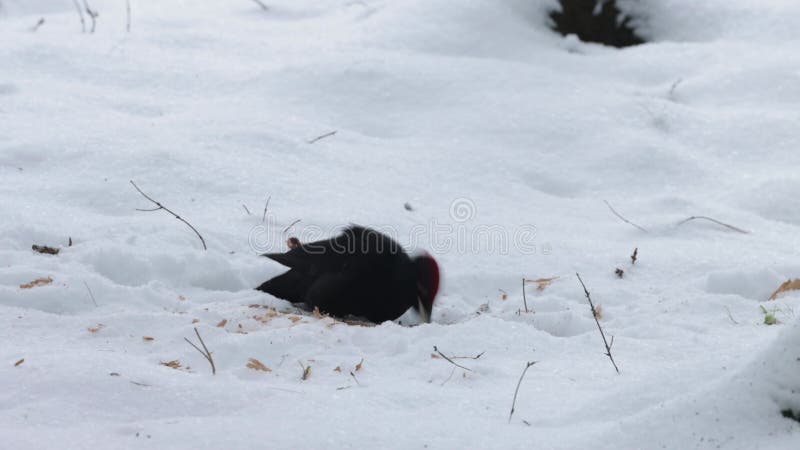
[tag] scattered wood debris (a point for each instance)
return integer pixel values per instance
(45, 249)
(96, 328)
(619, 272)
(148, 338)
(635, 255)
(222, 323)
(19, 363)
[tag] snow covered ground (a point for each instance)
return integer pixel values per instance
(478, 118)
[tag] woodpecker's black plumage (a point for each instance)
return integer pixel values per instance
(361, 272)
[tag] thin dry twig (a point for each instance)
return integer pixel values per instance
(36, 27)
(469, 357)
(516, 391)
(127, 16)
(354, 377)
(730, 316)
(160, 206)
(323, 136)
(730, 227)
(286, 230)
(246, 210)
(263, 6)
(635, 255)
(206, 354)
(93, 15)
(597, 321)
(450, 360)
(80, 14)
(623, 218)
(524, 297)
(90, 294)
(266, 205)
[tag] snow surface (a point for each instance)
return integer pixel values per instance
(480, 119)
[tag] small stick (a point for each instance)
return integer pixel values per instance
(449, 377)
(204, 352)
(450, 360)
(160, 206)
(524, 298)
(286, 230)
(594, 314)
(262, 5)
(730, 227)
(516, 391)
(35, 28)
(80, 14)
(246, 210)
(90, 294)
(264, 216)
(635, 255)
(321, 137)
(128, 16)
(469, 357)
(354, 377)
(730, 316)
(671, 93)
(92, 15)
(622, 218)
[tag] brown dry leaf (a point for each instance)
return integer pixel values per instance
(148, 338)
(358, 366)
(97, 328)
(36, 282)
(789, 285)
(338, 369)
(542, 283)
(503, 294)
(295, 319)
(257, 365)
(19, 363)
(222, 323)
(174, 364)
(598, 312)
(195, 320)
(435, 356)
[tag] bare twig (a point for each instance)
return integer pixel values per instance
(321, 137)
(524, 297)
(306, 371)
(80, 14)
(204, 351)
(730, 316)
(671, 93)
(246, 210)
(469, 357)
(160, 206)
(635, 255)
(266, 205)
(44, 249)
(597, 321)
(35, 28)
(263, 6)
(286, 230)
(448, 377)
(730, 227)
(622, 218)
(93, 15)
(450, 360)
(354, 377)
(516, 391)
(128, 16)
(90, 294)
